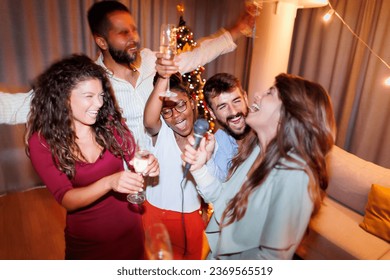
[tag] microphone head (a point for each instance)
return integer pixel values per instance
(201, 126)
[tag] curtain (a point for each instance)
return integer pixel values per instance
(331, 55)
(34, 33)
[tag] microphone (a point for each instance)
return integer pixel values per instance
(201, 126)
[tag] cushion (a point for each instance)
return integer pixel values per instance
(377, 216)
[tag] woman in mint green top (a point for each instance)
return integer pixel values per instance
(278, 177)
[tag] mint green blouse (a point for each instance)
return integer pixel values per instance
(276, 218)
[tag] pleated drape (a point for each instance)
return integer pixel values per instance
(330, 54)
(34, 33)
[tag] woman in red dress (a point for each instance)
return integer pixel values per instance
(78, 143)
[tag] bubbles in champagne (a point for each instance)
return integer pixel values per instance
(141, 161)
(169, 50)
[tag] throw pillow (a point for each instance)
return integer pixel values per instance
(377, 216)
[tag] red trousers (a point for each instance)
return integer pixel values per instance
(173, 221)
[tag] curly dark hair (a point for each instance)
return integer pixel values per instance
(51, 115)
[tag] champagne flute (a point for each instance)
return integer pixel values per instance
(157, 243)
(253, 8)
(140, 163)
(168, 45)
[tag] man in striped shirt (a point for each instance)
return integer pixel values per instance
(131, 67)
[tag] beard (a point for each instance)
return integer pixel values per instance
(122, 56)
(236, 135)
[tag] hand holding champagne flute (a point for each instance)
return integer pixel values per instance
(168, 46)
(253, 8)
(140, 163)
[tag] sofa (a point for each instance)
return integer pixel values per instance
(334, 233)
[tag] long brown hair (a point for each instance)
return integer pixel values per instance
(306, 128)
(51, 115)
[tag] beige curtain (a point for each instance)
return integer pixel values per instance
(331, 55)
(34, 33)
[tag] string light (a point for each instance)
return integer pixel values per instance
(327, 17)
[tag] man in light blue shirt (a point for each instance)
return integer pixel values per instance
(227, 103)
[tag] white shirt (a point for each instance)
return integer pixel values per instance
(14, 108)
(165, 191)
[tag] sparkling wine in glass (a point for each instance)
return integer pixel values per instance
(253, 7)
(157, 243)
(168, 45)
(140, 163)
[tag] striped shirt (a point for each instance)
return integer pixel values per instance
(15, 107)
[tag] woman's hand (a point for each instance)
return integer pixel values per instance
(127, 182)
(153, 168)
(198, 158)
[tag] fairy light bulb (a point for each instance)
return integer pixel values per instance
(332, 12)
(328, 15)
(387, 81)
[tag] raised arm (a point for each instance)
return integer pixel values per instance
(152, 121)
(246, 21)
(165, 68)
(209, 48)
